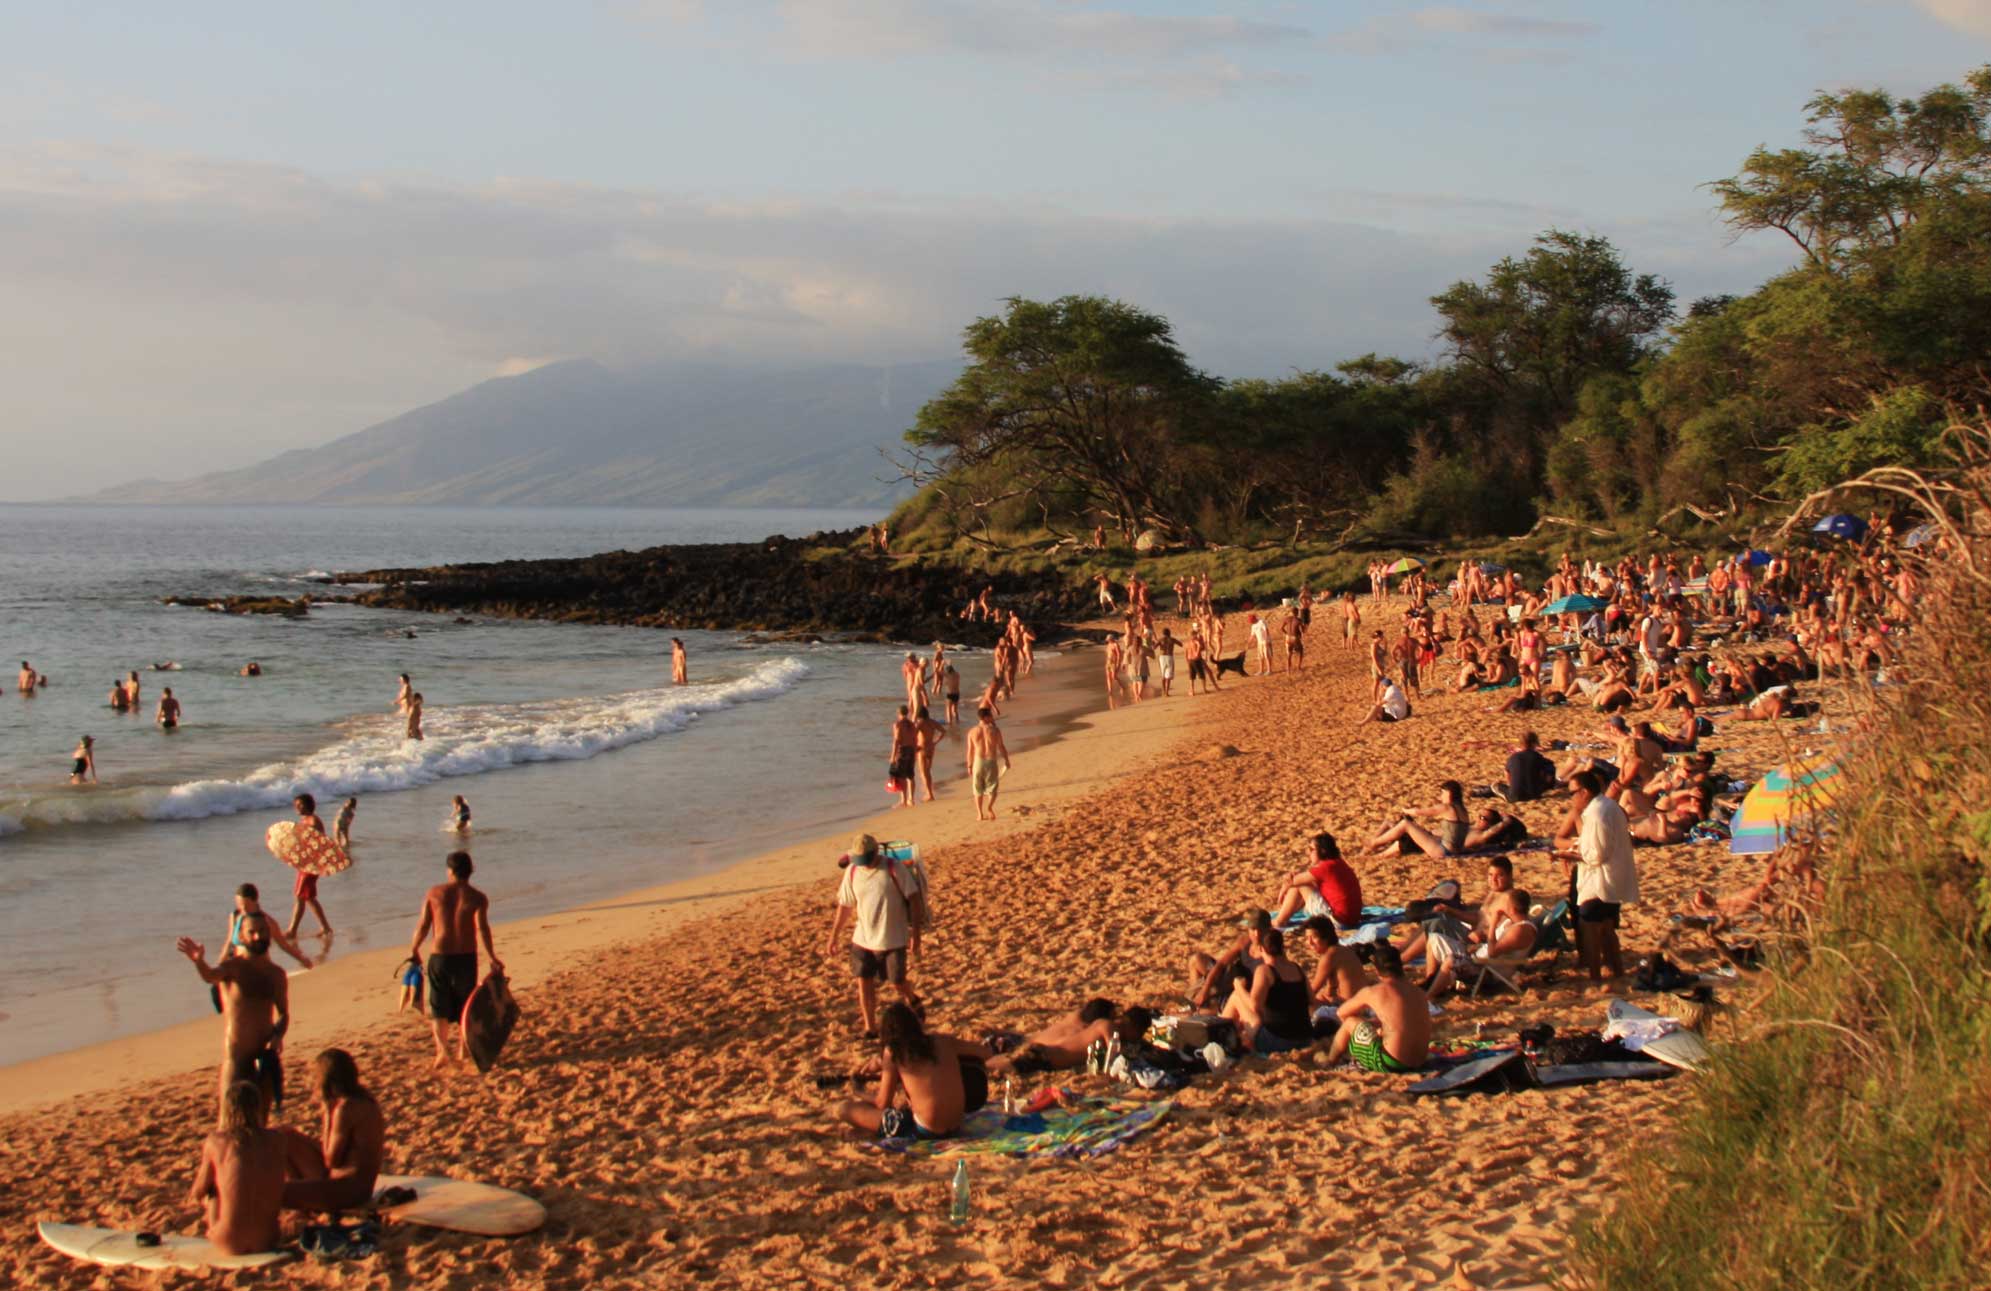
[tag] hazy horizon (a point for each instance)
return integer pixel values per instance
(228, 239)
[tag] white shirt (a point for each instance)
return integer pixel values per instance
(1607, 871)
(881, 914)
(1260, 633)
(1395, 703)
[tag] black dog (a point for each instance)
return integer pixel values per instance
(1233, 664)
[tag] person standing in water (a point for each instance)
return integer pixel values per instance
(168, 716)
(25, 683)
(84, 761)
(905, 754)
(927, 736)
(131, 691)
(951, 679)
(985, 746)
(459, 814)
(404, 694)
(304, 892)
(342, 828)
(119, 702)
(414, 717)
(680, 669)
(460, 916)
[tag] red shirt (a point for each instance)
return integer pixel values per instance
(1340, 889)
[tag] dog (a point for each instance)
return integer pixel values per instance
(1233, 664)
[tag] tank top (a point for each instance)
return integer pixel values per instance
(1286, 1011)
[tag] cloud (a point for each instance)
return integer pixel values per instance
(1422, 28)
(1021, 28)
(1969, 16)
(186, 314)
(1478, 22)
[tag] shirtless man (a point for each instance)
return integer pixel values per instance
(119, 701)
(337, 1170)
(1379, 665)
(168, 716)
(927, 735)
(680, 668)
(950, 680)
(1338, 971)
(25, 683)
(131, 690)
(414, 731)
(925, 1068)
(1385, 1027)
(912, 676)
(1062, 1045)
(1115, 661)
(304, 890)
(459, 916)
(255, 1009)
(985, 746)
(1164, 649)
(1294, 632)
(240, 1181)
(904, 758)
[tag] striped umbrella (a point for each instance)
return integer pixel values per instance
(1780, 800)
(1405, 564)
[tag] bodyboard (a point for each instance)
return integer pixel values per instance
(462, 1206)
(488, 1018)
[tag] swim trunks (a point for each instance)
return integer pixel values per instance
(305, 888)
(452, 978)
(902, 766)
(986, 777)
(900, 1123)
(1366, 1048)
(264, 1067)
(878, 965)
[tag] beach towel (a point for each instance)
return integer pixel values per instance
(1082, 1127)
(1373, 916)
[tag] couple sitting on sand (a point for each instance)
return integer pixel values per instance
(249, 1174)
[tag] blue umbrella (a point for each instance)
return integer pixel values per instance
(1756, 556)
(1578, 604)
(1851, 528)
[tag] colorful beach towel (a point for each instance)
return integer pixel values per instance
(1383, 916)
(1083, 1127)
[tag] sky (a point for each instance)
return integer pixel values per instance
(230, 229)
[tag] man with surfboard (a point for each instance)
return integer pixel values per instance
(255, 1008)
(459, 916)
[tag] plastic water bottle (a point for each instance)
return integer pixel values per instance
(959, 1213)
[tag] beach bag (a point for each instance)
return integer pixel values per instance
(1200, 1029)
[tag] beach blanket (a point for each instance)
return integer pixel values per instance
(1384, 917)
(1083, 1127)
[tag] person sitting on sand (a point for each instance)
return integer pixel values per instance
(337, 1170)
(460, 916)
(1337, 969)
(1062, 1045)
(255, 1009)
(1327, 887)
(884, 904)
(1385, 1027)
(1529, 774)
(1271, 1004)
(1207, 976)
(239, 1185)
(1394, 706)
(1446, 835)
(925, 1069)
(1505, 937)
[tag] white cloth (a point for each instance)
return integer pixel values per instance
(1607, 871)
(1636, 1033)
(880, 912)
(1395, 702)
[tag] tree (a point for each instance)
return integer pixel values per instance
(1080, 398)
(1875, 165)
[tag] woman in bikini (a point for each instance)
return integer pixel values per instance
(1444, 836)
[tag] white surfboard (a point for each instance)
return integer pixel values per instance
(1682, 1048)
(113, 1247)
(461, 1206)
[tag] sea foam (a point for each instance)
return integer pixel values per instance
(375, 758)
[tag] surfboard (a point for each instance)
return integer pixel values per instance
(1583, 1073)
(1682, 1048)
(461, 1206)
(1492, 1074)
(488, 1018)
(117, 1248)
(305, 850)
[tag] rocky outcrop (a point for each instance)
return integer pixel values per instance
(819, 585)
(288, 608)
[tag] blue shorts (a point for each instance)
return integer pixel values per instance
(900, 1123)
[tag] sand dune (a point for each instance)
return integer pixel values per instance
(660, 1100)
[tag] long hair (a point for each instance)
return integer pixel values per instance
(904, 1038)
(241, 1108)
(338, 1076)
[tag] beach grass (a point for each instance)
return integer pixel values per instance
(1847, 1142)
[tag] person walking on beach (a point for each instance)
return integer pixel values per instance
(985, 746)
(83, 761)
(239, 1186)
(1114, 663)
(1603, 872)
(255, 1009)
(927, 735)
(951, 680)
(680, 669)
(884, 904)
(337, 1170)
(459, 916)
(414, 731)
(905, 755)
(1294, 631)
(168, 716)
(1261, 643)
(304, 890)
(1351, 619)
(1164, 649)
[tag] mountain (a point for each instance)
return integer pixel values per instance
(576, 433)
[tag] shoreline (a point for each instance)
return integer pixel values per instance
(1079, 751)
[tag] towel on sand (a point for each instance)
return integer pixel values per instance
(1084, 1127)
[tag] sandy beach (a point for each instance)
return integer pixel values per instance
(659, 1097)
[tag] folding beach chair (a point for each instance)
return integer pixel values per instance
(1551, 934)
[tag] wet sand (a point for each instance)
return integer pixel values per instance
(659, 1096)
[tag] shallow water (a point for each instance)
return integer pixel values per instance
(587, 773)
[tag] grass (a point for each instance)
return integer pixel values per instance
(1847, 1141)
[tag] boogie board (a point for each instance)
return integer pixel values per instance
(488, 1018)
(110, 1246)
(1682, 1048)
(305, 850)
(461, 1206)
(1498, 1072)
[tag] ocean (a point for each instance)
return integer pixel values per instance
(587, 773)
